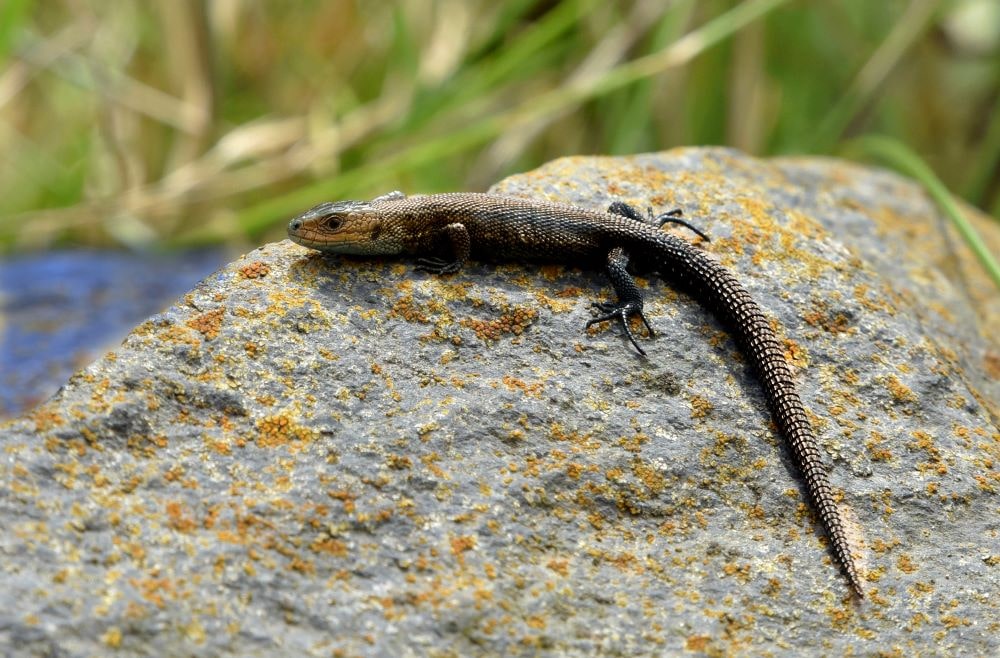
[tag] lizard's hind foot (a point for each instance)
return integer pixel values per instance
(622, 313)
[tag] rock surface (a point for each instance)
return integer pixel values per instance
(323, 456)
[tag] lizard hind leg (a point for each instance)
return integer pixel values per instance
(629, 298)
(622, 209)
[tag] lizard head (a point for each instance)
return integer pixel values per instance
(344, 227)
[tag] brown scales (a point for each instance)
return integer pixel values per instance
(463, 225)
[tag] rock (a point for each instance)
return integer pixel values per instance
(311, 455)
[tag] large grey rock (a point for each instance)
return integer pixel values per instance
(311, 455)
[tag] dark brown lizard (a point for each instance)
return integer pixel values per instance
(444, 230)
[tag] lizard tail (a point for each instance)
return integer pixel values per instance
(722, 293)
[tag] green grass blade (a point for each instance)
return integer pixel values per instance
(254, 220)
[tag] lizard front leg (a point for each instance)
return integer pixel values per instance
(458, 237)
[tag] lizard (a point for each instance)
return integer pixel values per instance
(445, 230)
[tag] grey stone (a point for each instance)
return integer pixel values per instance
(309, 455)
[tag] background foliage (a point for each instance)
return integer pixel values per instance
(144, 123)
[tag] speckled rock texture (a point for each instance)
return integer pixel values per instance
(312, 455)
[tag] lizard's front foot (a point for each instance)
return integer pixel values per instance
(622, 312)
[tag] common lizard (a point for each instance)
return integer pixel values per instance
(445, 230)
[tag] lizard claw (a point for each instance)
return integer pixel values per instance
(437, 266)
(621, 312)
(674, 217)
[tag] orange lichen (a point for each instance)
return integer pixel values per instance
(179, 518)
(877, 452)
(255, 270)
(461, 544)
(208, 324)
(399, 462)
(405, 307)
(513, 320)
(561, 567)
(700, 407)
(899, 391)
(46, 418)
(531, 390)
(281, 429)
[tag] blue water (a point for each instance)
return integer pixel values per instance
(61, 310)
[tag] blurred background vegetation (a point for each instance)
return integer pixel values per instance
(145, 123)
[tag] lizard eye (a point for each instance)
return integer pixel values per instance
(333, 222)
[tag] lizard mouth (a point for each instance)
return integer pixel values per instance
(342, 243)
(303, 236)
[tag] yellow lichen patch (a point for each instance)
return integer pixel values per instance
(179, 517)
(530, 390)
(650, 476)
(862, 295)
(291, 297)
(795, 354)
(424, 431)
(180, 335)
(700, 407)
(875, 449)
(399, 462)
(538, 623)
(46, 418)
(281, 429)
(898, 390)
(925, 442)
(561, 567)
(834, 323)
(740, 571)
(330, 546)
(801, 224)
(346, 498)
(699, 644)
(849, 376)
(304, 567)
(988, 482)
(255, 270)
(554, 304)
(633, 443)
(954, 621)
(112, 637)
(208, 323)
(460, 544)
(799, 228)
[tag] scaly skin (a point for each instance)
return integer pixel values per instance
(489, 227)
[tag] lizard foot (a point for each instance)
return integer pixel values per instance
(622, 312)
(437, 266)
(674, 217)
(670, 217)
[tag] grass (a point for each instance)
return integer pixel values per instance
(194, 122)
